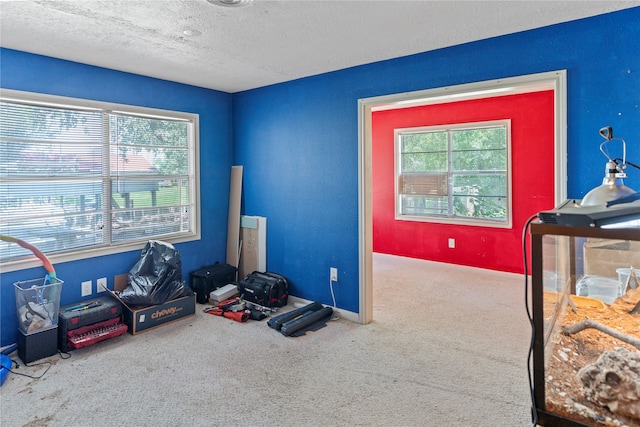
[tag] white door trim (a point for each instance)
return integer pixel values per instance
(552, 80)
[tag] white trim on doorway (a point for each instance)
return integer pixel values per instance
(552, 80)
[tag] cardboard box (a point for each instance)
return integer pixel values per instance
(142, 319)
(603, 256)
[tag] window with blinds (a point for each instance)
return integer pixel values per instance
(78, 174)
(454, 173)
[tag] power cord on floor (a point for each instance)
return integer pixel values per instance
(62, 355)
(335, 315)
(35, 377)
(534, 411)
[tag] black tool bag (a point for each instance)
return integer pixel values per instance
(210, 278)
(265, 289)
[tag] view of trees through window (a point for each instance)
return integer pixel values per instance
(74, 177)
(454, 172)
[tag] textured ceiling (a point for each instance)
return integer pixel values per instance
(268, 41)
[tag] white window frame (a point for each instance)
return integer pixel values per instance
(10, 95)
(480, 222)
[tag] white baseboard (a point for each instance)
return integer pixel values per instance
(344, 314)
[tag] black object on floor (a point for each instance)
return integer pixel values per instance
(156, 278)
(265, 289)
(310, 321)
(276, 322)
(37, 345)
(296, 322)
(210, 278)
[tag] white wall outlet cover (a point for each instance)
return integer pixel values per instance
(86, 288)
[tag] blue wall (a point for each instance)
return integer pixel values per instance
(298, 141)
(27, 72)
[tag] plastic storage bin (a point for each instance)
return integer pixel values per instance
(602, 288)
(623, 276)
(37, 304)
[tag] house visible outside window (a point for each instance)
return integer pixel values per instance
(454, 174)
(79, 175)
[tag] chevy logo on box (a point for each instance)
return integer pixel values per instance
(166, 312)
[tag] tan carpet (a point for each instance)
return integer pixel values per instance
(447, 347)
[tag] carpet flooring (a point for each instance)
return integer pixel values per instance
(447, 347)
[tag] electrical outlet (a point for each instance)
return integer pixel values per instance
(86, 288)
(333, 274)
(452, 243)
(101, 284)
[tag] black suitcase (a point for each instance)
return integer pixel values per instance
(265, 289)
(210, 278)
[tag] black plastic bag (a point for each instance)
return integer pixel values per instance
(157, 276)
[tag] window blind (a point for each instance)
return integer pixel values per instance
(74, 177)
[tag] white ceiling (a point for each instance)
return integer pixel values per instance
(269, 41)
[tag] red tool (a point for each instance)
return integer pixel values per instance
(226, 309)
(238, 316)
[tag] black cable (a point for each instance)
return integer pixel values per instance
(618, 161)
(534, 412)
(31, 366)
(63, 355)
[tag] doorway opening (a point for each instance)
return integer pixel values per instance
(554, 81)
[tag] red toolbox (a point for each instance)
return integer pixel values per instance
(88, 322)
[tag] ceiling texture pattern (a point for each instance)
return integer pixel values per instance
(269, 41)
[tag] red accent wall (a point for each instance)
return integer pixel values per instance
(532, 162)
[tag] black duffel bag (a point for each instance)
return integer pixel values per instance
(265, 289)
